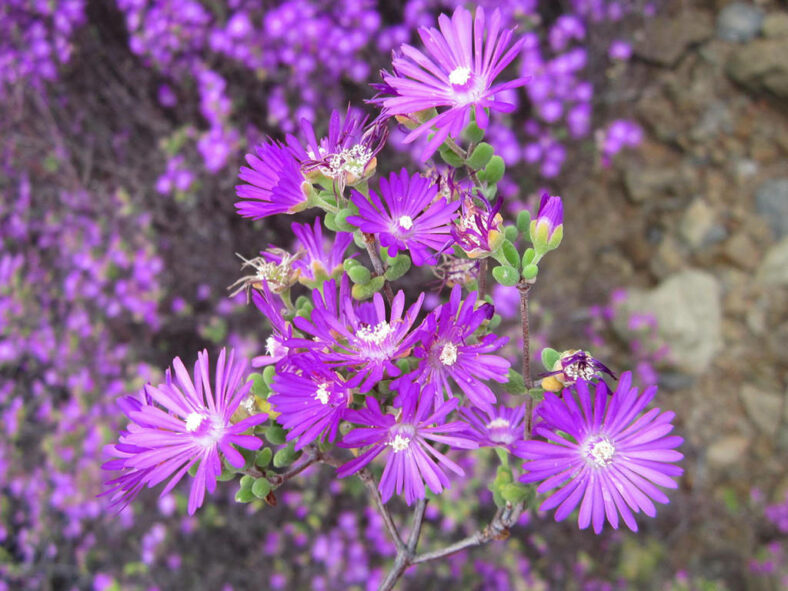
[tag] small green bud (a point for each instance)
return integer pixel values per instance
(524, 221)
(261, 488)
(480, 156)
(359, 275)
(511, 254)
(364, 292)
(285, 457)
(530, 271)
(510, 232)
(494, 171)
(246, 482)
(528, 256)
(506, 275)
(349, 264)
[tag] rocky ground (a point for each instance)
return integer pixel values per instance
(698, 220)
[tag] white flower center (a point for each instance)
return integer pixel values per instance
(375, 335)
(400, 443)
(322, 393)
(498, 423)
(459, 76)
(448, 354)
(248, 404)
(193, 421)
(406, 222)
(579, 370)
(601, 452)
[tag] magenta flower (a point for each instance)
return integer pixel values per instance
(449, 351)
(465, 57)
(501, 427)
(409, 217)
(273, 309)
(603, 453)
(361, 337)
(322, 258)
(547, 228)
(274, 183)
(180, 423)
(311, 400)
(412, 460)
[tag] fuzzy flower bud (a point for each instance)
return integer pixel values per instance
(547, 229)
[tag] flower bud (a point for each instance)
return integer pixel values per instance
(547, 229)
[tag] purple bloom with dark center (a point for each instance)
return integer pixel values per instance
(410, 216)
(603, 453)
(275, 183)
(411, 460)
(465, 57)
(449, 350)
(347, 154)
(183, 422)
(501, 427)
(361, 337)
(311, 400)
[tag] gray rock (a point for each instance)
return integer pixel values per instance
(773, 271)
(727, 451)
(689, 318)
(771, 201)
(764, 408)
(761, 67)
(776, 25)
(739, 22)
(667, 38)
(697, 223)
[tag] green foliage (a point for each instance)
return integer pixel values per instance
(530, 272)
(285, 456)
(449, 157)
(480, 156)
(515, 384)
(359, 275)
(261, 488)
(263, 457)
(399, 266)
(275, 434)
(506, 275)
(364, 292)
(341, 219)
(524, 222)
(549, 358)
(493, 172)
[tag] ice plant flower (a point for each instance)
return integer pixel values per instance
(347, 154)
(274, 268)
(411, 459)
(361, 337)
(571, 366)
(410, 216)
(603, 453)
(448, 351)
(457, 75)
(310, 399)
(501, 427)
(183, 423)
(274, 183)
(547, 228)
(272, 308)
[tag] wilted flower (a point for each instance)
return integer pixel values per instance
(479, 228)
(573, 365)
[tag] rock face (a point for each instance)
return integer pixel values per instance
(771, 201)
(763, 408)
(739, 22)
(666, 39)
(761, 66)
(688, 313)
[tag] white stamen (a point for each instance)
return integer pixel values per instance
(459, 76)
(352, 162)
(248, 404)
(322, 393)
(406, 222)
(400, 443)
(498, 423)
(375, 335)
(193, 421)
(448, 354)
(601, 453)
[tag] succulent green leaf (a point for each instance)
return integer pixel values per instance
(359, 274)
(549, 358)
(530, 271)
(399, 266)
(480, 156)
(263, 457)
(494, 170)
(275, 435)
(506, 275)
(261, 488)
(364, 292)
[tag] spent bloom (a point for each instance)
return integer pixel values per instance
(547, 228)
(603, 453)
(274, 183)
(411, 459)
(450, 353)
(362, 337)
(457, 74)
(181, 423)
(571, 366)
(478, 230)
(410, 216)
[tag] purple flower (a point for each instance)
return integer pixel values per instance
(547, 229)
(603, 453)
(322, 258)
(183, 422)
(273, 309)
(361, 337)
(458, 73)
(412, 460)
(449, 350)
(311, 400)
(275, 183)
(501, 427)
(574, 365)
(479, 228)
(409, 217)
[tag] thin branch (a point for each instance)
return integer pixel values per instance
(525, 288)
(415, 529)
(366, 477)
(371, 242)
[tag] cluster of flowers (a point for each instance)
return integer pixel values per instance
(72, 269)
(35, 38)
(369, 375)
